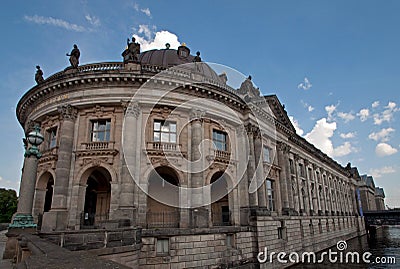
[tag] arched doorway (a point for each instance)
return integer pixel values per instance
(220, 211)
(43, 196)
(163, 198)
(97, 197)
(49, 194)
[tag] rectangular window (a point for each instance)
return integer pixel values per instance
(301, 168)
(162, 247)
(164, 131)
(291, 164)
(219, 140)
(100, 130)
(52, 135)
(267, 153)
(270, 194)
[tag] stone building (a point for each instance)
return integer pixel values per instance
(212, 174)
(380, 198)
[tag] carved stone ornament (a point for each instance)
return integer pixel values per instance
(197, 114)
(282, 146)
(131, 108)
(67, 112)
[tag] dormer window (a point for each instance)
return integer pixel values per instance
(183, 51)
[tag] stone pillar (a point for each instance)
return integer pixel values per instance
(126, 210)
(251, 168)
(283, 160)
(23, 218)
(57, 217)
(259, 169)
(199, 213)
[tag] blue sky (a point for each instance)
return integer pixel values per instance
(334, 64)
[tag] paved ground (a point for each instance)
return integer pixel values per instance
(4, 264)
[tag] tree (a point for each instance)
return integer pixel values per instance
(8, 204)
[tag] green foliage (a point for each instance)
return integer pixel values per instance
(8, 204)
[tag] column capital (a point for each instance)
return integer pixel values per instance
(197, 114)
(253, 130)
(282, 146)
(67, 112)
(131, 108)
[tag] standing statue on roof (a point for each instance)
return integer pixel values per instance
(39, 75)
(74, 56)
(131, 53)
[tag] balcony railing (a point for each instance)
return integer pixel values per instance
(162, 146)
(99, 145)
(221, 154)
(164, 219)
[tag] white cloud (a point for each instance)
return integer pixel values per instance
(144, 29)
(342, 150)
(305, 85)
(383, 149)
(379, 172)
(375, 104)
(348, 135)
(321, 135)
(310, 108)
(136, 6)
(330, 109)
(391, 105)
(382, 135)
(159, 41)
(363, 114)
(146, 11)
(296, 126)
(93, 20)
(387, 115)
(346, 116)
(55, 22)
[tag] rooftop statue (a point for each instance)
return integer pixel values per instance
(39, 75)
(74, 56)
(131, 53)
(197, 58)
(248, 90)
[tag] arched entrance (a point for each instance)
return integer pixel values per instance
(220, 211)
(49, 194)
(163, 198)
(43, 196)
(97, 197)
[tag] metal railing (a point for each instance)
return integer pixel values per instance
(164, 219)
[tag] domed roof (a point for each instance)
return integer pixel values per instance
(166, 58)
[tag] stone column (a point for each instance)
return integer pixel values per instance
(251, 168)
(56, 218)
(200, 214)
(23, 218)
(283, 161)
(126, 210)
(309, 173)
(259, 169)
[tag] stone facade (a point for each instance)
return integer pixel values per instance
(126, 149)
